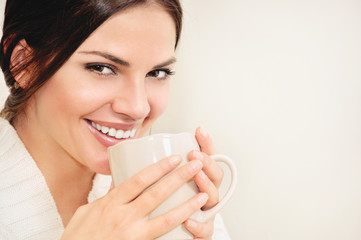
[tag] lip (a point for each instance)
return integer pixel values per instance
(106, 140)
(113, 125)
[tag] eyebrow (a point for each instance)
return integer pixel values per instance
(109, 57)
(166, 63)
(125, 63)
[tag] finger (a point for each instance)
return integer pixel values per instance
(205, 141)
(135, 185)
(159, 192)
(210, 167)
(111, 186)
(206, 185)
(164, 223)
(200, 230)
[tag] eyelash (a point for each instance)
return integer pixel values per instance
(167, 72)
(99, 67)
(94, 67)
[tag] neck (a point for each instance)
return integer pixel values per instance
(69, 182)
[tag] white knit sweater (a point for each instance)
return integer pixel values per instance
(27, 208)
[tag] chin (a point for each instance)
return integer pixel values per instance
(102, 168)
(99, 164)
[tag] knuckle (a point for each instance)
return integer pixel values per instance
(82, 210)
(205, 230)
(194, 206)
(189, 170)
(110, 195)
(101, 206)
(168, 222)
(181, 175)
(165, 166)
(214, 198)
(219, 176)
(201, 230)
(113, 197)
(209, 229)
(108, 206)
(139, 180)
(155, 193)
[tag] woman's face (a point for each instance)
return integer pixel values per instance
(111, 89)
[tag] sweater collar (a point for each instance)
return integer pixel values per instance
(26, 204)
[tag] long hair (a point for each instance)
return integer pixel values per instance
(54, 29)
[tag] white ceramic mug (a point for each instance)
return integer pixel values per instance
(129, 157)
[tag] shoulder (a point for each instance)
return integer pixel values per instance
(4, 123)
(6, 129)
(8, 136)
(6, 233)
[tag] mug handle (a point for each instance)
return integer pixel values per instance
(203, 216)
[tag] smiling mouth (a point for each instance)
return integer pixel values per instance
(114, 133)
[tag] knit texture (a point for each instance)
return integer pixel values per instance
(27, 208)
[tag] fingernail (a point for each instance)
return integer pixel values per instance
(174, 160)
(195, 166)
(202, 198)
(191, 223)
(197, 154)
(203, 132)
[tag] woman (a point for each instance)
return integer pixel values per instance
(84, 75)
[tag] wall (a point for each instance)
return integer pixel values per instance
(278, 86)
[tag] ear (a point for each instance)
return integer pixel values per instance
(18, 63)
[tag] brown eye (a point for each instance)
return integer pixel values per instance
(157, 74)
(100, 69)
(160, 74)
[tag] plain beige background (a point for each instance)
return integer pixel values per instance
(278, 85)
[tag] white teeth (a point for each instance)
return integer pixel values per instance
(119, 134)
(133, 132)
(105, 129)
(126, 134)
(114, 132)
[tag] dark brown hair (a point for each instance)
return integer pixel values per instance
(54, 29)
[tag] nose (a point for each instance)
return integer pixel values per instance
(132, 100)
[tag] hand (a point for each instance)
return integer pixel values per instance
(123, 212)
(208, 180)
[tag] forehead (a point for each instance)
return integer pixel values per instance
(144, 30)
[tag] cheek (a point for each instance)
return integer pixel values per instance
(158, 101)
(54, 104)
(52, 99)
(66, 95)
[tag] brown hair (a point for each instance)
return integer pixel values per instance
(54, 29)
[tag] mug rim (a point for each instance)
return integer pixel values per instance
(152, 138)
